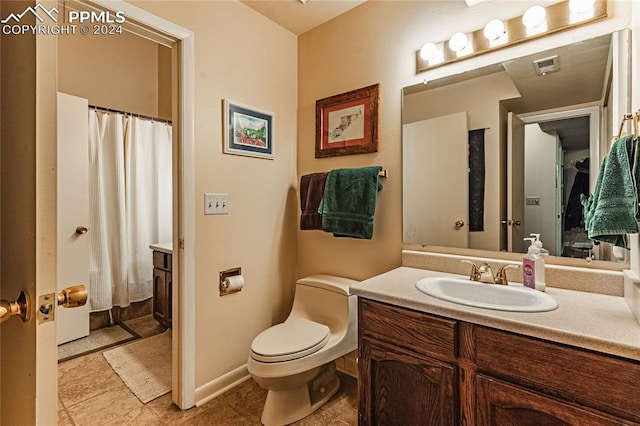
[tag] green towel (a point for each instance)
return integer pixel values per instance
(611, 212)
(349, 202)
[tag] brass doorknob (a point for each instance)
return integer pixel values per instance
(72, 297)
(81, 230)
(20, 307)
(459, 223)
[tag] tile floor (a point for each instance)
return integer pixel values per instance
(91, 393)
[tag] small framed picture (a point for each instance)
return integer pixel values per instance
(348, 123)
(247, 131)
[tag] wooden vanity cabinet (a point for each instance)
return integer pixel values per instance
(162, 288)
(421, 369)
(405, 367)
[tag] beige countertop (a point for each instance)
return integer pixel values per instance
(163, 247)
(588, 320)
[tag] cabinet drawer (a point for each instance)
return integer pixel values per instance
(416, 331)
(161, 260)
(595, 380)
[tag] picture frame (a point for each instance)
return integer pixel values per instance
(248, 131)
(348, 123)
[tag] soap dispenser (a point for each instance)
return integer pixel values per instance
(533, 265)
(538, 243)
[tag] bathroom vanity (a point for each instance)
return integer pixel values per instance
(428, 361)
(162, 258)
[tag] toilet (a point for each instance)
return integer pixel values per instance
(294, 360)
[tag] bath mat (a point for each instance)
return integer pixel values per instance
(96, 340)
(144, 366)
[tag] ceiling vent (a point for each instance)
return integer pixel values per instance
(546, 65)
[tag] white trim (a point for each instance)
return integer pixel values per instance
(184, 336)
(216, 387)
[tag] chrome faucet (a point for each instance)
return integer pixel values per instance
(484, 273)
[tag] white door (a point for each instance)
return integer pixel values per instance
(515, 184)
(73, 211)
(435, 212)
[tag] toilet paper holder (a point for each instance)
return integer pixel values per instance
(224, 290)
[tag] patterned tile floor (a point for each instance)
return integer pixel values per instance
(91, 393)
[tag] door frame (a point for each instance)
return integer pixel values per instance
(181, 41)
(594, 113)
(595, 125)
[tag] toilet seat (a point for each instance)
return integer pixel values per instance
(290, 340)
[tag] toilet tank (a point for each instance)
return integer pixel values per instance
(325, 299)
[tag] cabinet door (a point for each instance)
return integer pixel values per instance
(504, 404)
(162, 297)
(397, 387)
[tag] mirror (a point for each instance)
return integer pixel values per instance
(495, 154)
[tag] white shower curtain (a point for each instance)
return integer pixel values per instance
(130, 205)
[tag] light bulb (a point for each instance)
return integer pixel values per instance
(494, 29)
(534, 16)
(458, 41)
(429, 51)
(580, 6)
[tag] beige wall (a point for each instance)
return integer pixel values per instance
(376, 43)
(119, 71)
(242, 56)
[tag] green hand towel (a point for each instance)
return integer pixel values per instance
(349, 202)
(611, 212)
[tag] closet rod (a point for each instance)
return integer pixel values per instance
(133, 114)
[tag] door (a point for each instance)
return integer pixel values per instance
(501, 403)
(432, 148)
(399, 387)
(73, 211)
(515, 184)
(28, 359)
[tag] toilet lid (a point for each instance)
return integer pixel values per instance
(292, 339)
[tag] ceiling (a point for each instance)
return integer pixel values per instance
(299, 17)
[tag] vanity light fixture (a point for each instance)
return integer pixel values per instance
(458, 41)
(581, 6)
(537, 21)
(534, 16)
(581, 10)
(494, 29)
(431, 53)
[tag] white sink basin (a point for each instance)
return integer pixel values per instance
(488, 296)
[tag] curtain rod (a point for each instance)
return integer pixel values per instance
(133, 114)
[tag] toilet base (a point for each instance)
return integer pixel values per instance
(286, 406)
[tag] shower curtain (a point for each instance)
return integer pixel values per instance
(130, 205)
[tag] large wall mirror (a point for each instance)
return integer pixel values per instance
(495, 154)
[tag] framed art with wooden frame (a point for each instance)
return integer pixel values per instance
(348, 123)
(247, 131)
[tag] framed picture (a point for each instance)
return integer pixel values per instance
(247, 131)
(347, 123)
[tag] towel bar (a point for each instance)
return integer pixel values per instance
(383, 173)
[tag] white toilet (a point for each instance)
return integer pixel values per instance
(294, 360)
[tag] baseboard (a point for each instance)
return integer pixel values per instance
(217, 387)
(348, 364)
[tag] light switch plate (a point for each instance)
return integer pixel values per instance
(533, 201)
(216, 203)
